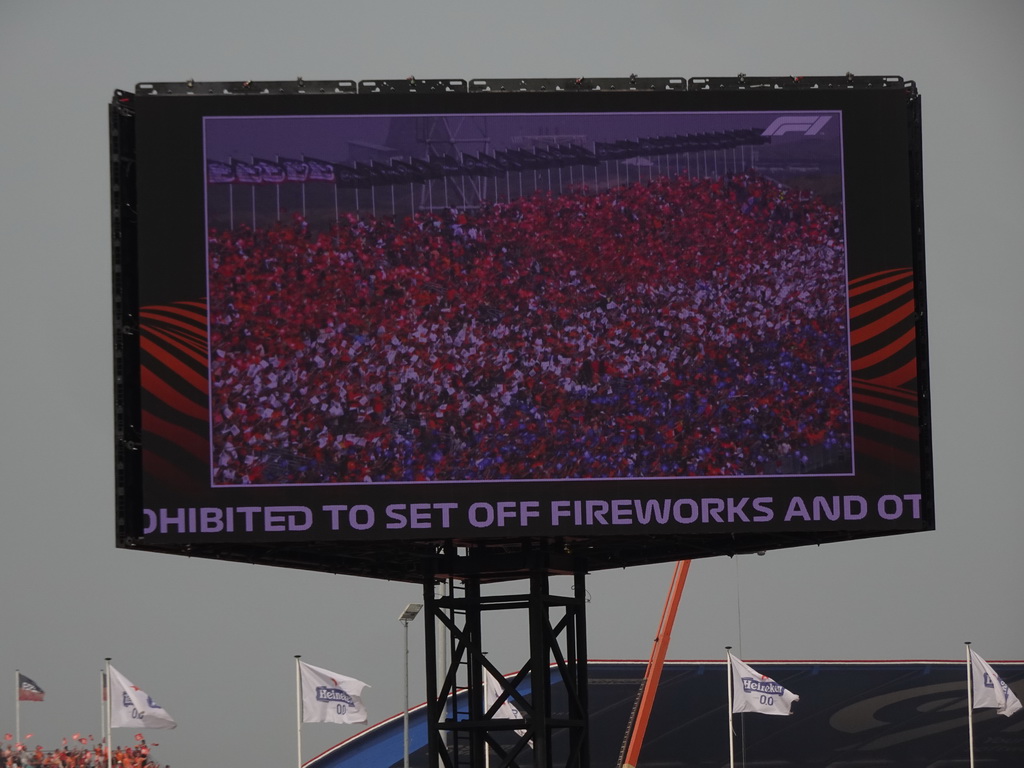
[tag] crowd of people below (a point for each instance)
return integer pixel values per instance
(675, 328)
(78, 753)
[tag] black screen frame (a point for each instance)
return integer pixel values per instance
(158, 237)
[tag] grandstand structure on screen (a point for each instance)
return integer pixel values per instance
(437, 163)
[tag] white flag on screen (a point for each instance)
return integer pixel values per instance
(131, 707)
(754, 692)
(328, 697)
(990, 691)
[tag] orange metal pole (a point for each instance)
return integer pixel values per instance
(653, 674)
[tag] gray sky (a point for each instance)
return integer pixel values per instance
(214, 642)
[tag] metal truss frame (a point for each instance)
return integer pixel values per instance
(464, 722)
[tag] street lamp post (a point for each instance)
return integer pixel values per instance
(410, 613)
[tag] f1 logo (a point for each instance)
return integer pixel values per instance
(808, 125)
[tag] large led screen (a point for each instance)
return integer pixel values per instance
(477, 316)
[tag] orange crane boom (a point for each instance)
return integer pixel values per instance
(649, 685)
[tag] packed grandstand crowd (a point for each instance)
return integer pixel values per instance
(76, 755)
(678, 327)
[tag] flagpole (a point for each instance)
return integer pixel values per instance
(110, 747)
(17, 706)
(728, 680)
(970, 702)
(103, 702)
(298, 710)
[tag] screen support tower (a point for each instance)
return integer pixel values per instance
(473, 729)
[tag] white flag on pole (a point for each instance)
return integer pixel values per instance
(754, 692)
(328, 697)
(130, 707)
(990, 691)
(508, 710)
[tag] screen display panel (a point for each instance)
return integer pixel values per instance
(402, 318)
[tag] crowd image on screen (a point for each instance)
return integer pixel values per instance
(678, 327)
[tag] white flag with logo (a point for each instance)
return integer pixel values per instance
(990, 691)
(328, 697)
(131, 707)
(754, 692)
(508, 710)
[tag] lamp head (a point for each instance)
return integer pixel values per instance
(411, 612)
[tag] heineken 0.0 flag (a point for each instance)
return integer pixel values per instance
(131, 707)
(754, 692)
(492, 692)
(990, 691)
(328, 697)
(508, 710)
